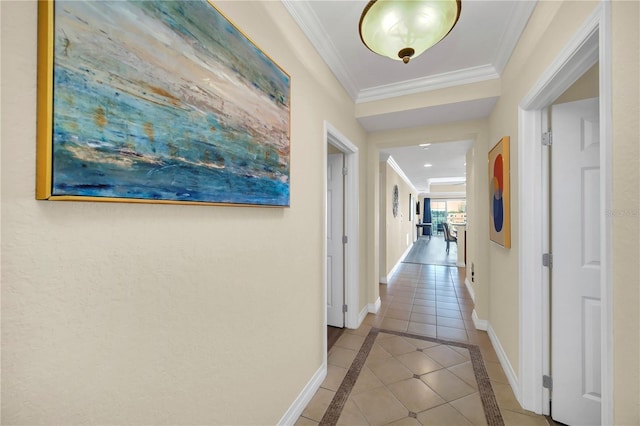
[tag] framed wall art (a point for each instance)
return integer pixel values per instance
(499, 188)
(394, 200)
(158, 101)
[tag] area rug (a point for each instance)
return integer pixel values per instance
(489, 403)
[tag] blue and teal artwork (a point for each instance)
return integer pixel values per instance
(165, 100)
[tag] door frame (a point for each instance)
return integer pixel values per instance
(590, 44)
(351, 225)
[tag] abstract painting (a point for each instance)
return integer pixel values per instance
(500, 215)
(158, 101)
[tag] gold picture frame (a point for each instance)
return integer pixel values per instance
(164, 102)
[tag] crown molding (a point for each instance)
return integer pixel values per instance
(307, 20)
(516, 23)
(391, 162)
(425, 84)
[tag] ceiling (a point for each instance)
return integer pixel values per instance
(447, 161)
(475, 51)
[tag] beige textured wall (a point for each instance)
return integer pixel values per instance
(550, 27)
(435, 189)
(384, 202)
(399, 229)
(478, 222)
(157, 314)
(477, 215)
(626, 210)
(450, 95)
(477, 230)
(584, 88)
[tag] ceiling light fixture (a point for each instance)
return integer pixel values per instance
(428, 165)
(403, 29)
(424, 144)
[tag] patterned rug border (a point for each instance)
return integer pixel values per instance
(489, 403)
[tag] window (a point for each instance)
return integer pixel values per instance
(450, 211)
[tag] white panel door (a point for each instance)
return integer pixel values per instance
(575, 276)
(335, 246)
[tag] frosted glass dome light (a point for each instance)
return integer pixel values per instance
(402, 29)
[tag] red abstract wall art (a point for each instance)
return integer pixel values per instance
(499, 189)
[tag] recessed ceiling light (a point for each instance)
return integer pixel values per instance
(428, 165)
(425, 144)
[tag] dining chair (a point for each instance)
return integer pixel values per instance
(447, 235)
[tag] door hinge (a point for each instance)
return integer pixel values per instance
(547, 260)
(547, 138)
(345, 239)
(344, 309)
(345, 171)
(547, 382)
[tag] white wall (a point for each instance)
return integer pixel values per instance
(164, 314)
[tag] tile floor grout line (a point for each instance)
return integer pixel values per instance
(490, 406)
(333, 412)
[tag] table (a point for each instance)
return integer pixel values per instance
(424, 225)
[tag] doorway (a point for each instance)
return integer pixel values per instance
(335, 241)
(590, 45)
(575, 272)
(340, 146)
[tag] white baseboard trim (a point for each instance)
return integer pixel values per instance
(385, 279)
(504, 362)
(363, 313)
(470, 289)
(373, 308)
(406, 252)
(301, 402)
(480, 324)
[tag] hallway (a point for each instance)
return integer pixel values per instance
(419, 361)
(432, 251)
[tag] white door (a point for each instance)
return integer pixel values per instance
(575, 276)
(335, 246)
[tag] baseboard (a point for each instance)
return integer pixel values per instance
(385, 279)
(363, 313)
(373, 308)
(472, 293)
(480, 324)
(301, 402)
(504, 362)
(460, 265)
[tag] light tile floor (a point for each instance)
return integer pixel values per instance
(408, 381)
